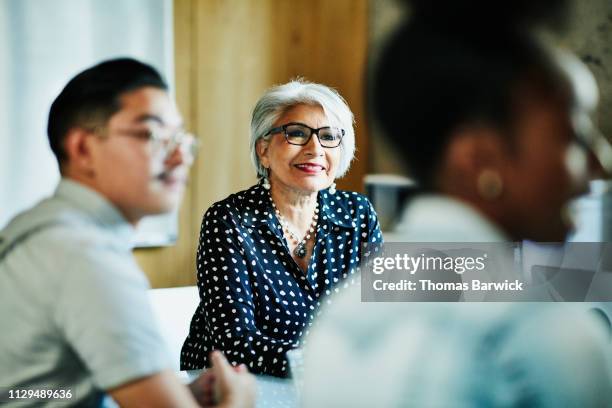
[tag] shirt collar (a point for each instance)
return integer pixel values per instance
(255, 208)
(432, 217)
(96, 206)
(334, 209)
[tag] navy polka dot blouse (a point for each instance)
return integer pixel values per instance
(255, 301)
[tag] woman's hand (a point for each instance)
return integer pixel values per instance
(224, 386)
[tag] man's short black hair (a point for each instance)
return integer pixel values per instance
(441, 72)
(92, 97)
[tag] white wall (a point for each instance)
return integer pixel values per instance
(42, 45)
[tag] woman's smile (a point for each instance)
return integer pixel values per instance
(310, 168)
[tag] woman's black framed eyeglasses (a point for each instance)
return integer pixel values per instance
(299, 134)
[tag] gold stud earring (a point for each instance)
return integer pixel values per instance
(490, 185)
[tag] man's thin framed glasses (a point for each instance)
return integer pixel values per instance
(160, 140)
(299, 134)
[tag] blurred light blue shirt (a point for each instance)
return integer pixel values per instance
(455, 354)
(74, 309)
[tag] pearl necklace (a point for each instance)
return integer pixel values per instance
(300, 249)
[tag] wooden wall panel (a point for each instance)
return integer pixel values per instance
(227, 53)
(325, 41)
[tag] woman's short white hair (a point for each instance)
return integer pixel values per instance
(278, 99)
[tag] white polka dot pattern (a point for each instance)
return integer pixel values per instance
(255, 302)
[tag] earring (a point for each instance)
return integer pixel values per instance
(332, 188)
(265, 180)
(489, 184)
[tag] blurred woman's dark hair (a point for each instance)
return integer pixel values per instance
(455, 64)
(476, 16)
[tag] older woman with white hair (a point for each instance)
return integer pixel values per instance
(268, 255)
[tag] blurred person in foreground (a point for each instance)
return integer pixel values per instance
(268, 256)
(75, 314)
(482, 113)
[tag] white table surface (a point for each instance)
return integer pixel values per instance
(174, 308)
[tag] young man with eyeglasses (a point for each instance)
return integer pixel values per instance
(74, 310)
